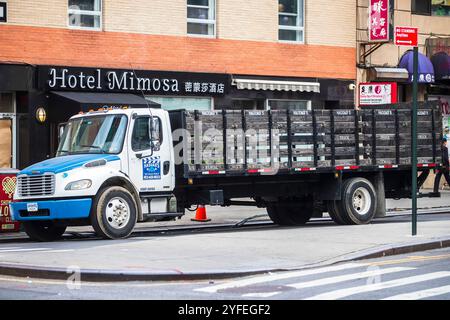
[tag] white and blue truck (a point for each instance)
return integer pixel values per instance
(117, 167)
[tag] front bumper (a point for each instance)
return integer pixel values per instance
(51, 210)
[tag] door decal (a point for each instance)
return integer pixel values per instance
(151, 168)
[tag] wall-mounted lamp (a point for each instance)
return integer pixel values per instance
(41, 115)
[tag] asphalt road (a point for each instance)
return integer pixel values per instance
(422, 275)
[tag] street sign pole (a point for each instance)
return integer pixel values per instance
(414, 141)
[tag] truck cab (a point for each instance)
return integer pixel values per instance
(113, 168)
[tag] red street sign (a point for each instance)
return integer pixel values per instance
(406, 36)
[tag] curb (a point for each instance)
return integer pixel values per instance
(95, 275)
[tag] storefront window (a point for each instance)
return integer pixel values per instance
(289, 104)
(245, 104)
(6, 103)
(85, 14)
(175, 103)
(5, 143)
(201, 17)
(291, 22)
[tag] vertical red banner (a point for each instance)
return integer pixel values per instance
(379, 21)
(7, 187)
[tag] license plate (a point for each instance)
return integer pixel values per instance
(32, 207)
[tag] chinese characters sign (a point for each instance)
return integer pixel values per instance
(379, 21)
(377, 93)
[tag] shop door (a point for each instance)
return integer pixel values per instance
(6, 142)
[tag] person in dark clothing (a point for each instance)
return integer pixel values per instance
(444, 169)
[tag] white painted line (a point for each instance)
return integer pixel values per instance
(342, 293)
(260, 295)
(9, 248)
(347, 277)
(421, 294)
(279, 276)
(56, 251)
(24, 250)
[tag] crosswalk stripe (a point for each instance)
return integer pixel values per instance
(347, 277)
(421, 294)
(280, 276)
(261, 294)
(342, 293)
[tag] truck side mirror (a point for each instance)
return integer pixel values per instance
(154, 133)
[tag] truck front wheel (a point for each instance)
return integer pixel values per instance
(43, 231)
(114, 213)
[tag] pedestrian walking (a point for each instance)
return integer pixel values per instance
(444, 170)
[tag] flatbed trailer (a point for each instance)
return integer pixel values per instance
(302, 161)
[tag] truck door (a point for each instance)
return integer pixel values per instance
(150, 171)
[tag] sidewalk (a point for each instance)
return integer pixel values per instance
(236, 252)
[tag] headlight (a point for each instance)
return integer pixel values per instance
(79, 185)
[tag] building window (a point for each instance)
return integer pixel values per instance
(440, 8)
(3, 12)
(422, 7)
(201, 17)
(291, 20)
(431, 7)
(85, 14)
(188, 103)
(289, 104)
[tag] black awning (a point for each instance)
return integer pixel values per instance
(441, 63)
(63, 105)
(88, 101)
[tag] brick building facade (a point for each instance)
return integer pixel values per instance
(273, 54)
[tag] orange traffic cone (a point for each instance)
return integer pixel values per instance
(200, 214)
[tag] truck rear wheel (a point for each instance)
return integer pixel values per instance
(358, 202)
(43, 231)
(290, 214)
(114, 213)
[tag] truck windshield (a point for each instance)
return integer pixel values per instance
(97, 134)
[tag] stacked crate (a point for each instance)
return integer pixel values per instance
(338, 138)
(380, 136)
(235, 153)
(387, 136)
(280, 147)
(302, 138)
(257, 137)
(205, 146)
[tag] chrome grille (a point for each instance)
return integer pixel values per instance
(36, 185)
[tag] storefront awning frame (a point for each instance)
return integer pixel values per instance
(274, 85)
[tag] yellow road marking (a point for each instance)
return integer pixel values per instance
(142, 283)
(409, 259)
